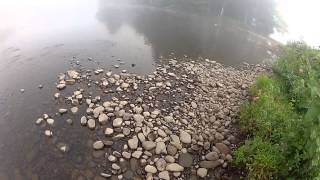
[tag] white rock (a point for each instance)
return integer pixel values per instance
(115, 166)
(97, 111)
(91, 123)
(98, 145)
(161, 148)
(108, 131)
(48, 133)
(50, 121)
(169, 119)
(103, 118)
(148, 145)
(39, 120)
(164, 175)
(174, 167)
(133, 143)
(202, 172)
(137, 154)
(74, 110)
(126, 155)
(61, 110)
(83, 120)
(185, 137)
(162, 133)
(150, 169)
(117, 122)
(112, 158)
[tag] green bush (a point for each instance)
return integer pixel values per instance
(282, 119)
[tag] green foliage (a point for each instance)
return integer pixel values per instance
(283, 119)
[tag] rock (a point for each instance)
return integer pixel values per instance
(103, 118)
(91, 123)
(124, 85)
(209, 164)
(161, 164)
(174, 167)
(136, 154)
(98, 145)
(22, 90)
(126, 155)
(74, 110)
(161, 148)
(69, 121)
(117, 122)
(194, 105)
(56, 95)
(219, 136)
(63, 147)
(39, 121)
(141, 137)
(223, 148)
(185, 159)
(185, 137)
(169, 159)
(138, 118)
(133, 143)
(126, 131)
(48, 133)
(108, 131)
(97, 111)
(112, 158)
(164, 175)
(62, 111)
(73, 74)
(115, 166)
(59, 86)
(126, 116)
(83, 120)
(50, 121)
(162, 133)
(202, 172)
(172, 150)
(150, 169)
(212, 156)
(148, 145)
(168, 119)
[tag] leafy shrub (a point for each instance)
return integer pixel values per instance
(282, 119)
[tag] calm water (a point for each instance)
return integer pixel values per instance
(39, 39)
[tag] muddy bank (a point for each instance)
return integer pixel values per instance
(176, 123)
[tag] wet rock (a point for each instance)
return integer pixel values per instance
(174, 167)
(98, 145)
(202, 172)
(150, 169)
(185, 159)
(115, 166)
(112, 158)
(69, 121)
(39, 121)
(185, 137)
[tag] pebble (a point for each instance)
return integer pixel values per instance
(48, 133)
(185, 159)
(174, 167)
(83, 120)
(136, 154)
(74, 110)
(212, 156)
(117, 122)
(115, 166)
(161, 164)
(62, 111)
(50, 121)
(39, 121)
(164, 175)
(202, 172)
(133, 143)
(161, 148)
(98, 145)
(91, 123)
(148, 145)
(150, 169)
(22, 90)
(108, 131)
(223, 148)
(69, 121)
(112, 158)
(185, 137)
(103, 118)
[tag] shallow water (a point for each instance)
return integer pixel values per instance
(39, 39)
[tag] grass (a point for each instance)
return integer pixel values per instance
(282, 119)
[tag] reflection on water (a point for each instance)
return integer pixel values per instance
(39, 38)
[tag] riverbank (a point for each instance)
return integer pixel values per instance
(175, 123)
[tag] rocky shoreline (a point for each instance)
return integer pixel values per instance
(176, 123)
